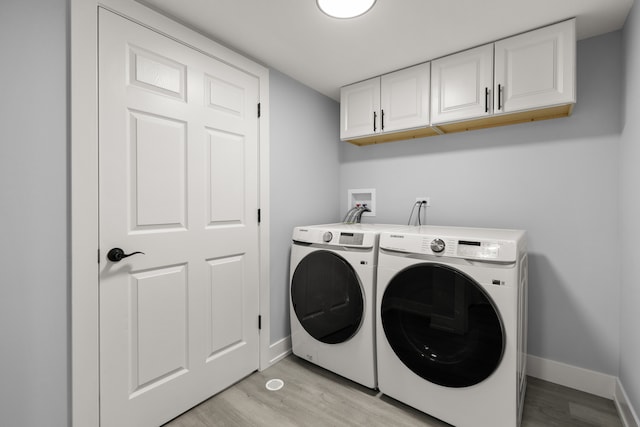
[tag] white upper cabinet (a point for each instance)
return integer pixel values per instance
(536, 69)
(462, 85)
(528, 77)
(405, 98)
(359, 109)
(393, 102)
(525, 72)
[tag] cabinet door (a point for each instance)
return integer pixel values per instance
(359, 109)
(405, 98)
(536, 69)
(461, 85)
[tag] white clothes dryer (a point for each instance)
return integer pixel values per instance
(333, 280)
(451, 328)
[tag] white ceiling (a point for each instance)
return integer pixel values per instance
(294, 37)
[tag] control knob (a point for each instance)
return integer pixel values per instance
(327, 236)
(437, 245)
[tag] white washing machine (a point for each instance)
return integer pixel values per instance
(451, 324)
(333, 281)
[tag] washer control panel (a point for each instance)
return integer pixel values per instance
(334, 237)
(351, 239)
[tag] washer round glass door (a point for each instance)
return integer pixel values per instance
(442, 325)
(327, 297)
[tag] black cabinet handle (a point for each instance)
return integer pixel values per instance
(486, 99)
(375, 118)
(382, 120)
(117, 254)
(499, 97)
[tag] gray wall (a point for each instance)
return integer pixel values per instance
(630, 212)
(304, 145)
(34, 354)
(557, 179)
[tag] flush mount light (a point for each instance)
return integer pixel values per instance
(345, 8)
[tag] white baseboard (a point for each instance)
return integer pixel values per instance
(597, 383)
(279, 350)
(626, 411)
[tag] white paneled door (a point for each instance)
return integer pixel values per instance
(178, 136)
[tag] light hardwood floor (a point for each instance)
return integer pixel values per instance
(312, 396)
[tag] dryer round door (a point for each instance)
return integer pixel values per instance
(327, 297)
(442, 325)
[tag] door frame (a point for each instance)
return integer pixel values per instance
(83, 182)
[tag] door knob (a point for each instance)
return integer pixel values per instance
(117, 254)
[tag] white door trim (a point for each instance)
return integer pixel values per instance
(85, 409)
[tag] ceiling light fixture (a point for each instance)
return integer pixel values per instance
(345, 8)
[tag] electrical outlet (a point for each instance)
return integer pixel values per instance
(421, 199)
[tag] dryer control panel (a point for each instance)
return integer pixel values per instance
(441, 244)
(465, 248)
(478, 249)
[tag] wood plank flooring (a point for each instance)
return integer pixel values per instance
(312, 396)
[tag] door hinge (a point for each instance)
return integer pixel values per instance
(259, 322)
(259, 110)
(259, 216)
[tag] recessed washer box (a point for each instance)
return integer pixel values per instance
(362, 196)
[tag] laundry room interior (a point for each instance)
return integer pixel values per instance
(570, 183)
